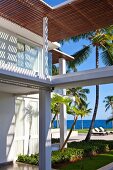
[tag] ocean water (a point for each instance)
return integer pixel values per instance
(86, 124)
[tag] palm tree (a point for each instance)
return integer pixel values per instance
(109, 104)
(100, 39)
(55, 70)
(79, 93)
(56, 101)
(76, 111)
(78, 107)
(80, 96)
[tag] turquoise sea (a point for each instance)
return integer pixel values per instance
(86, 124)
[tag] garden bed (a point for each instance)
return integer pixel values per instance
(76, 151)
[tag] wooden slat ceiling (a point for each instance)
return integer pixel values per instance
(78, 17)
(58, 54)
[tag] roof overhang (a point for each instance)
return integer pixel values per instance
(59, 54)
(67, 20)
(25, 34)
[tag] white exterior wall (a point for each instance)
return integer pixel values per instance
(16, 134)
(7, 126)
(27, 137)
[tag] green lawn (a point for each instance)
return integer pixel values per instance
(82, 130)
(94, 163)
(86, 130)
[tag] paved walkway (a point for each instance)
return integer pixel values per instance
(107, 167)
(19, 166)
(82, 136)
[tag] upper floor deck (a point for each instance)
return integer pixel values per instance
(21, 56)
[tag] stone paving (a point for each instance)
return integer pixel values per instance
(19, 167)
(107, 167)
(82, 136)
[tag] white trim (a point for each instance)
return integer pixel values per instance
(59, 5)
(63, 4)
(62, 53)
(84, 78)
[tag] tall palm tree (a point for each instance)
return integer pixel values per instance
(100, 39)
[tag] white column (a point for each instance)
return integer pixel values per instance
(44, 130)
(63, 114)
(45, 46)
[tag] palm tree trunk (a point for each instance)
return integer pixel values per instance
(82, 126)
(68, 136)
(112, 112)
(53, 119)
(96, 101)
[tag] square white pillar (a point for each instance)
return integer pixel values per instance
(45, 130)
(63, 110)
(45, 46)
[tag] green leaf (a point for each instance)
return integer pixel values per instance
(82, 55)
(107, 58)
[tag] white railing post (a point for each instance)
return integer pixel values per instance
(45, 46)
(63, 113)
(44, 130)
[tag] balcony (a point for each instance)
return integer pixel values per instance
(19, 56)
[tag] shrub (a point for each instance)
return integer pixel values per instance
(33, 159)
(103, 148)
(75, 151)
(69, 154)
(90, 151)
(55, 140)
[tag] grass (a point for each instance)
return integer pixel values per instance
(93, 163)
(86, 130)
(82, 130)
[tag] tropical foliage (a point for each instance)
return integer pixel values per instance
(77, 108)
(109, 105)
(56, 101)
(101, 41)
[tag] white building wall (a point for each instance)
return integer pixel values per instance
(27, 117)
(7, 126)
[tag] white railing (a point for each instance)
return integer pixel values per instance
(21, 57)
(18, 70)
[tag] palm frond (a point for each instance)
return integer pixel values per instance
(109, 120)
(55, 70)
(71, 66)
(82, 55)
(107, 58)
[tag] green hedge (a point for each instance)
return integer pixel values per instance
(99, 146)
(33, 159)
(75, 151)
(55, 140)
(69, 154)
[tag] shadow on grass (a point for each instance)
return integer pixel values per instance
(93, 163)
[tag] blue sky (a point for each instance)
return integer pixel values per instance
(105, 90)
